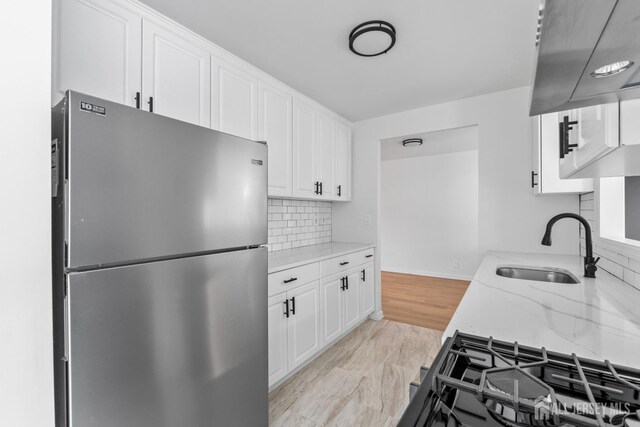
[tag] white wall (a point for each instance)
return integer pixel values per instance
(26, 378)
(510, 218)
(429, 215)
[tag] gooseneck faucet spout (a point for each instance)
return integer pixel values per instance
(589, 262)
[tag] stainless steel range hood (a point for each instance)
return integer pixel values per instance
(575, 38)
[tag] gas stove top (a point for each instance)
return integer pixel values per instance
(476, 381)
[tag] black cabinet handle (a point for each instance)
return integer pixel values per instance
(286, 308)
(151, 104)
(317, 187)
(364, 275)
(561, 139)
(346, 279)
(533, 182)
(293, 279)
(368, 256)
(137, 100)
(339, 190)
(293, 305)
(565, 127)
(321, 188)
(344, 263)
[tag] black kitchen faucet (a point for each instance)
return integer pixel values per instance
(589, 262)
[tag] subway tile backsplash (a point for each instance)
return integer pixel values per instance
(297, 223)
(622, 266)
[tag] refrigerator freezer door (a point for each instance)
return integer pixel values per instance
(170, 343)
(144, 186)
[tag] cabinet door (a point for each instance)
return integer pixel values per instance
(275, 115)
(332, 295)
(367, 302)
(594, 134)
(176, 74)
(304, 323)
(97, 50)
(546, 150)
(304, 150)
(277, 321)
(235, 99)
(325, 155)
(351, 311)
(342, 163)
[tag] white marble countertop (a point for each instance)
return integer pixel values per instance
(596, 318)
(290, 258)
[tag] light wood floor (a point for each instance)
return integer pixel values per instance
(421, 300)
(363, 380)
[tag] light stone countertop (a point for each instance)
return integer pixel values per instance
(596, 318)
(290, 258)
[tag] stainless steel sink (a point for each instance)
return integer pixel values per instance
(540, 274)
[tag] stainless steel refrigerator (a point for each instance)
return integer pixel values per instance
(160, 283)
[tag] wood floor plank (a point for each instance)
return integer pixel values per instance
(421, 300)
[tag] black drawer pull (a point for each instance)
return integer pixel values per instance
(368, 256)
(293, 279)
(344, 263)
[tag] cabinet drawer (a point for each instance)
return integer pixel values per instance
(284, 280)
(341, 263)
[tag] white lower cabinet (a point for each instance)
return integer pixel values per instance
(339, 305)
(350, 306)
(304, 323)
(366, 289)
(294, 329)
(306, 315)
(332, 296)
(278, 353)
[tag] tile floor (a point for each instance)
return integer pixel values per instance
(363, 380)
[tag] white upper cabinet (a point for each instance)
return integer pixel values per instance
(325, 155)
(587, 134)
(122, 51)
(275, 126)
(176, 74)
(97, 50)
(235, 99)
(304, 151)
(342, 163)
(545, 175)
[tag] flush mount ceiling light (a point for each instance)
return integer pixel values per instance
(612, 69)
(412, 142)
(372, 38)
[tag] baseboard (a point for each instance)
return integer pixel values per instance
(378, 315)
(427, 273)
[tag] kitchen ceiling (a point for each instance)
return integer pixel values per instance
(433, 143)
(445, 50)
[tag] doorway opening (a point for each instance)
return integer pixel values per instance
(429, 224)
